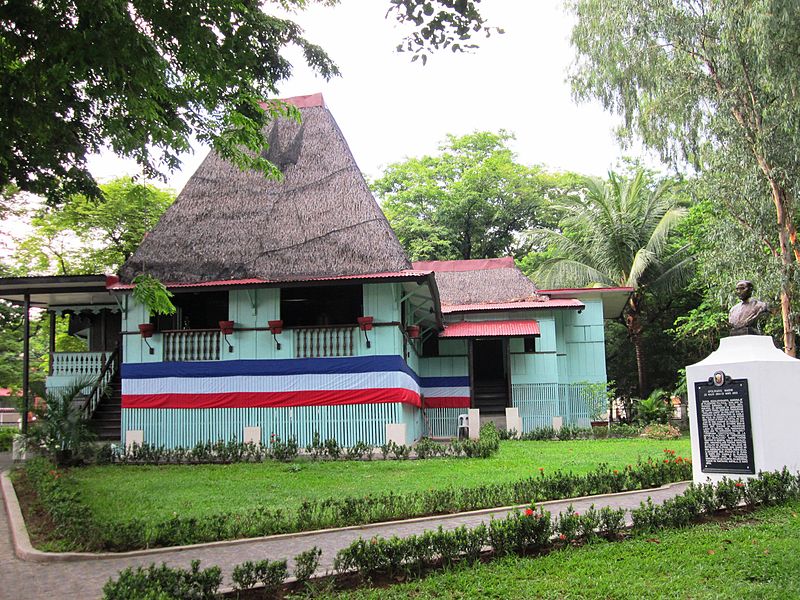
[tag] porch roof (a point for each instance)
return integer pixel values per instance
(465, 329)
(57, 290)
(506, 306)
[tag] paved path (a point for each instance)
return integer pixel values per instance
(83, 579)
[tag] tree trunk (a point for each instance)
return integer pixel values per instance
(787, 259)
(634, 326)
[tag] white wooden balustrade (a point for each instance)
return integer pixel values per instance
(324, 341)
(79, 365)
(191, 345)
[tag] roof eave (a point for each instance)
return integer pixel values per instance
(420, 278)
(611, 310)
(457, 311)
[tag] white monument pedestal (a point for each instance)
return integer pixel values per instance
(744, 410)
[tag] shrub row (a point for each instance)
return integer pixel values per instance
(73, 522)
(167, 583)
(7, 437)
(533, 529)
(706, 499)
(223, 452)
(520, 533)
(573, 432)
(135, 533)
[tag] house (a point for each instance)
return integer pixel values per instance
(298, 312)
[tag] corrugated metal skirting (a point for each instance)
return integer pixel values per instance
(443, 422)
(346, 424)
(538, 403)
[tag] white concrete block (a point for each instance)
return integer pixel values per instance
(396, 432)
(773, 385)
(558, 423)
(252, 435)
(133, 436)
(474, 416)
(19, 448)
(513, 420)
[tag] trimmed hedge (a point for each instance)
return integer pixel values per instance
(222, 452)
(573, 432)
(531, 530)
(132, 534)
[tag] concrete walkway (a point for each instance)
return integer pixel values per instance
(84, 577)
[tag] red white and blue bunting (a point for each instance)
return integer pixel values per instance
(286, 382)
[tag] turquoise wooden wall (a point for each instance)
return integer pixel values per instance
(134, 349)
(583, 355)
(254, 308)
(453, 360)
(571, 348)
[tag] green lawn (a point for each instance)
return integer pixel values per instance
(156, 492)
(756, 556)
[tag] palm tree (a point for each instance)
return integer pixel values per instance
(617, 234)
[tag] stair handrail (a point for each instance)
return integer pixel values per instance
(100, 386)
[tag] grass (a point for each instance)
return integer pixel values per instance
(156, 492)
(751, 556)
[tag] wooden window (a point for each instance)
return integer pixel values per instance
(529, 344)
(430, 347)
(322, 305)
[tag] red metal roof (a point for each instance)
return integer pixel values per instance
(480, 264)
(541, 305)
(308, 101)
(464, 329)
(574, 291)
(407, 274)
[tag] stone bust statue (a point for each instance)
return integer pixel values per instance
(744, 317)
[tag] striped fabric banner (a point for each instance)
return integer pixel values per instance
(270, 383)
(446, 392)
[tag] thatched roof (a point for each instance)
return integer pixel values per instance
(483, 281)
(320, 221)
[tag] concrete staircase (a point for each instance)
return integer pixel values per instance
(498, 420)
(491, 397)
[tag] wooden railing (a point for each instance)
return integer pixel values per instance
(100, 387)
(314, 342)
(195, 344)
(78, 364)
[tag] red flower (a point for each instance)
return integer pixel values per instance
(577, 514)
(739, 484)
(616, 472)
(561, 536)
(528, 512)
(541, 469)
(666, 460)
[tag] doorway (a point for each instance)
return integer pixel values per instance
(489, 375)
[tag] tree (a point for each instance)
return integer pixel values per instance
(472, 200)
(89, 235)
(617, 233)
(146, 77)
(715, 84)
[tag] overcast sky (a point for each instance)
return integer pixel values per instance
(390, 108)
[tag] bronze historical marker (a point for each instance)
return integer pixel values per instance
(723, 425)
